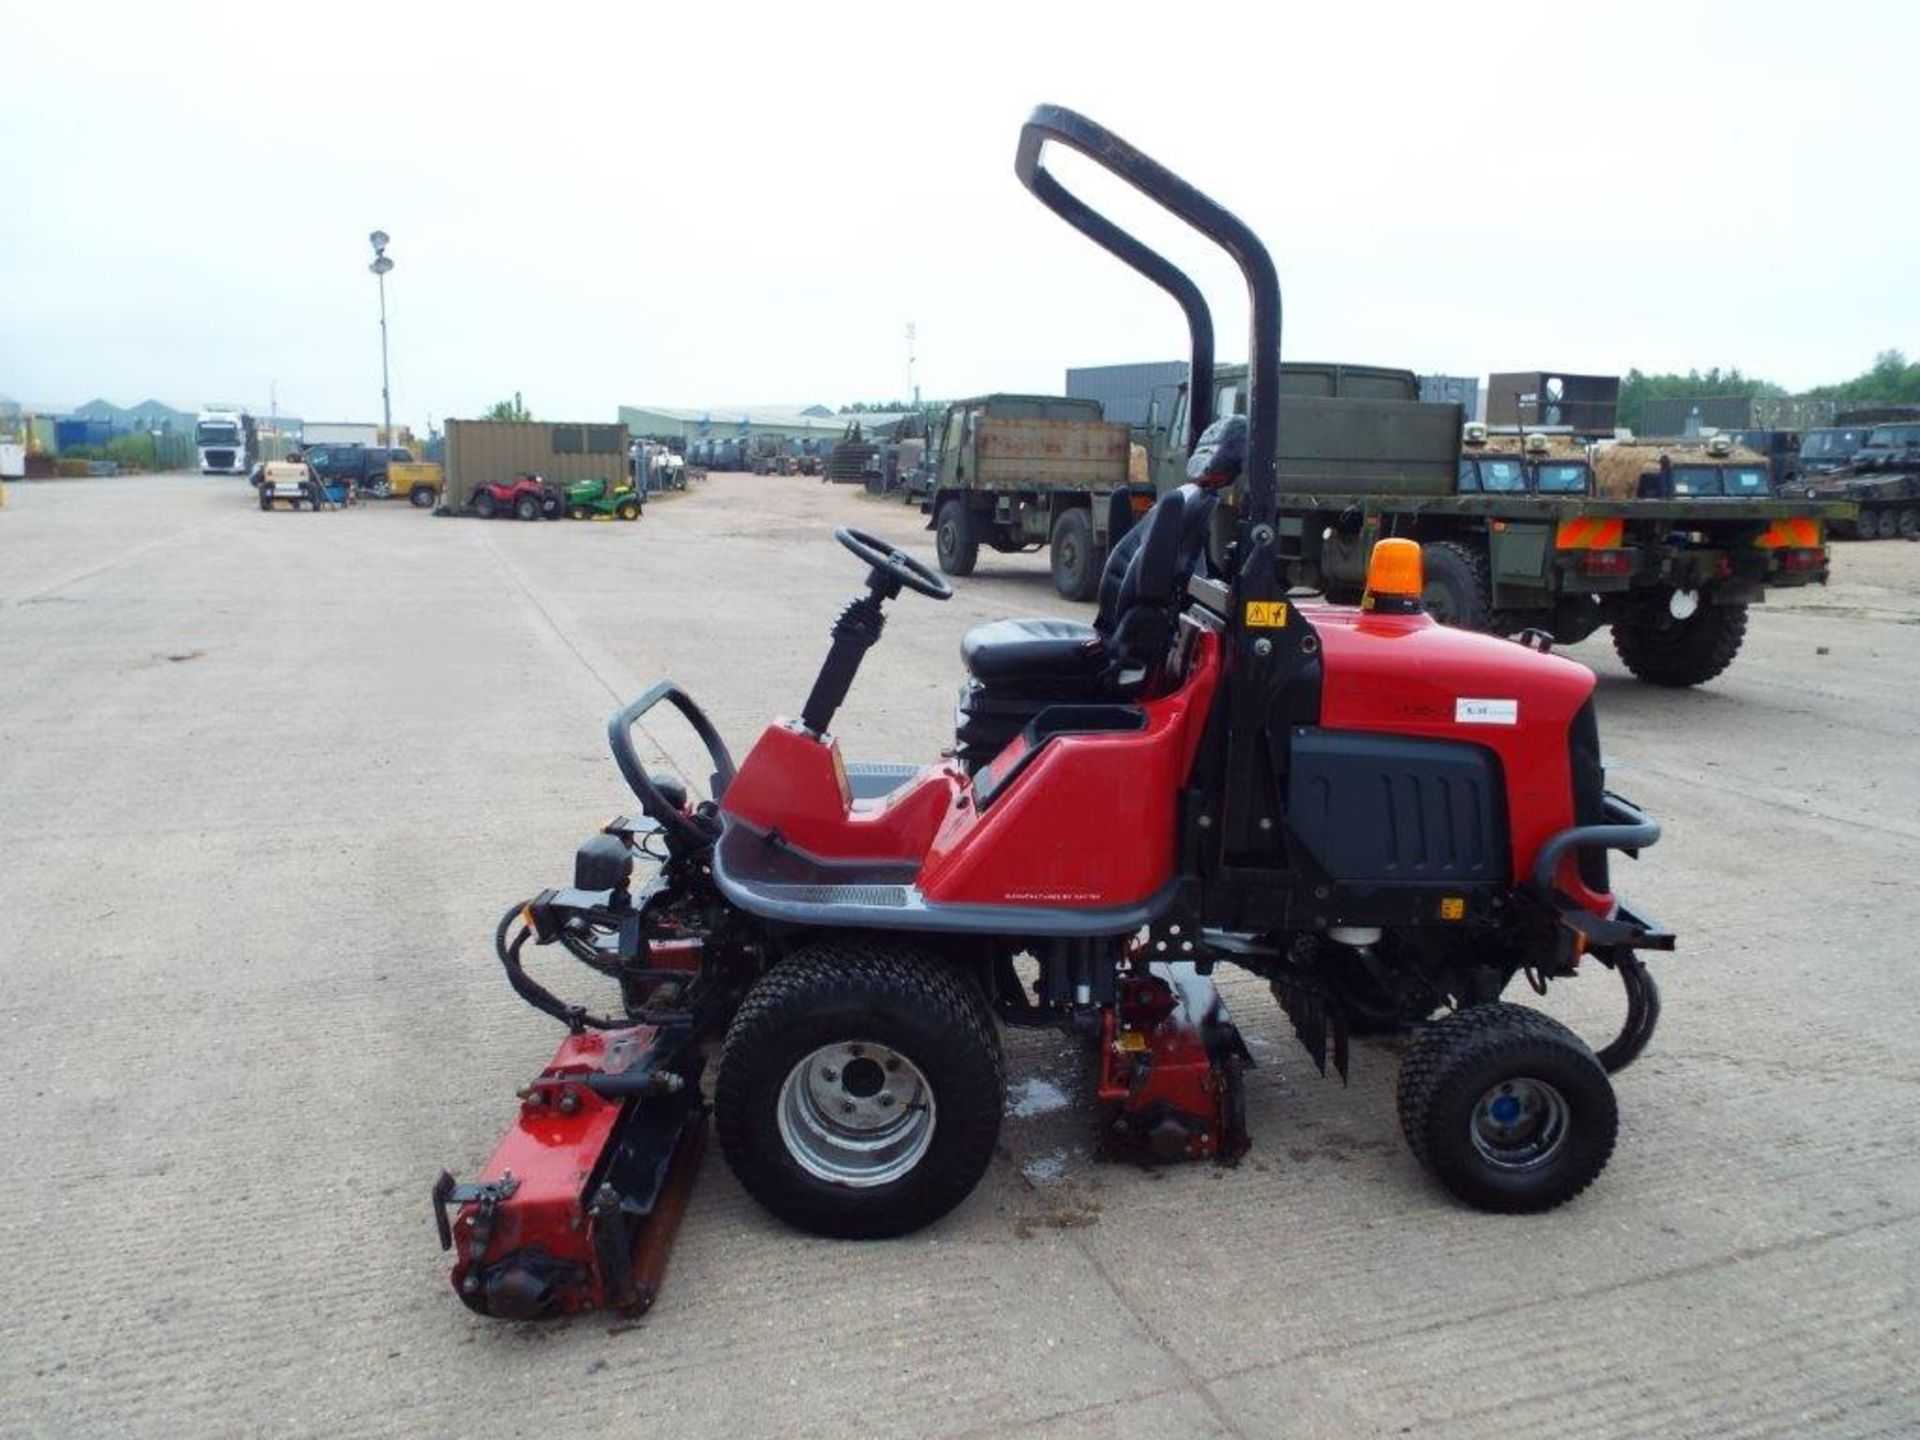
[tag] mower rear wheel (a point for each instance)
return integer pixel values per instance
(579, 512)
(1507, 1108)
(484, 505)
(526, 508)
(955, 552)
(1679, 653)
(860, 1089)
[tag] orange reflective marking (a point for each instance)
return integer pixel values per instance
(1588, 532)
(1798, 533)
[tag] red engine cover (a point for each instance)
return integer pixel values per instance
(1407, 675)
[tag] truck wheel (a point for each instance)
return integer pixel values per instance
(1507, 1108)
(526, 508)
(1459, 586)
(484, 506)
(957, 554)
(1679, 653)
(1076, 558)
(1909, 524)
(860, 1090)
(421, 496)
(1887, 526)
(380, 487)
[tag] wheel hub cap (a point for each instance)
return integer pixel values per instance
(1520, 1124)
(856, 1113)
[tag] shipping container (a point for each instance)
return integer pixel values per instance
(1689, 417)
(339, 432)
(71, 434)
(493, 452)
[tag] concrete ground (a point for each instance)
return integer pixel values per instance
(266, 781)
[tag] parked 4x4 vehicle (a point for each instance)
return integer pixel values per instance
(364, 467)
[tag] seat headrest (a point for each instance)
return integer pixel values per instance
(1221, 454)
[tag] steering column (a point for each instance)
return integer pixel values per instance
(858, 629)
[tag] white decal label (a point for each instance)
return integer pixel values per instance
(1486, 712)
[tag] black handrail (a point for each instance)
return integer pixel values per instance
(1170, 192)
(1626, 829)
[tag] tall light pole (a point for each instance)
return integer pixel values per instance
(380, 266)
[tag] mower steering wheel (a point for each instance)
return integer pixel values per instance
(897, 565)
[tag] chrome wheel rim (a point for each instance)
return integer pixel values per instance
(1520, 1124)
(856, 1113)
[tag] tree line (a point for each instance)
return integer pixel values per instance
(1890, 380)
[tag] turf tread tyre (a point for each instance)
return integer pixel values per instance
(957, 556)
(1455, 1059)
(1688, 652)
(1464, 571)
(859, 987)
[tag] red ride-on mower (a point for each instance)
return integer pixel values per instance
(1387, 819)
(528, 498)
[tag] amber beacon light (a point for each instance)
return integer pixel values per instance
(1394, 579)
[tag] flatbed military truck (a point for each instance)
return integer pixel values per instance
(1511, 545)
(1016, 472)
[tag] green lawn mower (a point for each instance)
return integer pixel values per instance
(597, 500)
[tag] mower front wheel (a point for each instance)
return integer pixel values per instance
(1507, 1108)
(860, 1089)
(628, 510)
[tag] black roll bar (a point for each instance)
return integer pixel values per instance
(1171, 193)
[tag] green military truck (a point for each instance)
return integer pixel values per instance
(1016, 472)
(1517, 532)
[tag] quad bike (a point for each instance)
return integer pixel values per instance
(527, 498)
(1385, 818)
(596, 499)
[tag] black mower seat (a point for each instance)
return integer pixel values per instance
(1011, 651)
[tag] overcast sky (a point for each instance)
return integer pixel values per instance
(706, 204)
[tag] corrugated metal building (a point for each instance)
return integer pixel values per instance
(1127, 392)
(1587, 404)
(492, 452)
(1461, 390)
(666, 422)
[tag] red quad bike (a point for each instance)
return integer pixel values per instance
(527, 498)
(1385, 818)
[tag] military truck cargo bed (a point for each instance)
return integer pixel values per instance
(1034, 453)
